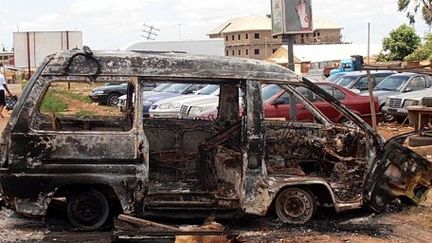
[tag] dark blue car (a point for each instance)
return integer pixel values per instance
(171, 91)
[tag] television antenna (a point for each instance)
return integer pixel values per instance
(149, 32)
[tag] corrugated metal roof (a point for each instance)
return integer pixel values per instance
(204, 47)
(250, 23)
(322, 53)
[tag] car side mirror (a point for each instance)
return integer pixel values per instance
(408, 89)
(357, 91)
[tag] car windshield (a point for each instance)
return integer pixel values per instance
(345, 81)
(392, 83)
(208, 89)
(334, 77)
(161, 87)
(269, 91)
(177, 88)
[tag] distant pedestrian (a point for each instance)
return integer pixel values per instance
(3, 87)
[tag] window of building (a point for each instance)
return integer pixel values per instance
(226, 38)
(233, 53)
(239, 52)
(257, 35)
(226, 53)
(247, 51)
(275, 37)
(318, 33)
(247, 36)
(257, 51)
(238, 37)
(232, 37)
(274, 50)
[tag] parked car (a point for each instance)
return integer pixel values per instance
(276, 104)
(108, 94)
(160, 88)
(358, 81)
(170, 107)
(115, 163)
(399, 83)
(396, 105)
(333, 78)
(172, 91)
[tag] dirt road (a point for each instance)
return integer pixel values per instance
(412, 224)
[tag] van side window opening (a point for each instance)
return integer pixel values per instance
(66, 106)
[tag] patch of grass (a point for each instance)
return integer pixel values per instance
(75, 96)
(85, 114)
(53, 103)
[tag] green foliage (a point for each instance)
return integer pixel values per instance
(411, 7)
(85, 114)
(423, 52)
(53, 103)
(401, 42)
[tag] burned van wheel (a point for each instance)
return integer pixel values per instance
(88, 210)
(295, 206)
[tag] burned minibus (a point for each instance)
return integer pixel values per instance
(58, 144)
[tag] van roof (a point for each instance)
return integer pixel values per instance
(163, 64)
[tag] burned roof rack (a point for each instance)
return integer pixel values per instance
(88, 54)
(157, 52)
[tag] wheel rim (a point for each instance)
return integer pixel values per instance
(88, 210)
(387, 117)
(295, 206)
(113, 100)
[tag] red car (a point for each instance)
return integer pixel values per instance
(276, 103)
(277, 106)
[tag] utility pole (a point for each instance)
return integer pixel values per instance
(149, 32)
(371, 85)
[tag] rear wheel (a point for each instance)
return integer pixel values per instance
(88, 210)
(295, 206)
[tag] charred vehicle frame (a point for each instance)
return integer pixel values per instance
(239, 163)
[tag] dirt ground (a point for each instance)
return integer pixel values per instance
(408, 224)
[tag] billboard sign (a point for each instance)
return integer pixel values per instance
(291, 16)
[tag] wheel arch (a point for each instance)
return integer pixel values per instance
(108, 191)
(320, 190)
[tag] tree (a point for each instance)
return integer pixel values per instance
(423, 51)
(413, 6)
(401, 42)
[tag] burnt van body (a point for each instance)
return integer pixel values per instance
(105, 163)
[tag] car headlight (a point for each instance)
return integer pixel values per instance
(166, 106)
(410, 103)
(195, 110)
(97, 92)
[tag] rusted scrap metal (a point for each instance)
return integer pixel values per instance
(132, 228)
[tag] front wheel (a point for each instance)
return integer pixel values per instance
(113, 99)
(88, 210)
(295, 206)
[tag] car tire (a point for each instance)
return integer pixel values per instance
(88, 210)
(417, 141)
(112, 99)
(295, 206)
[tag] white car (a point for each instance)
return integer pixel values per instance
(170, 108)
(396, 105)
(122, 99)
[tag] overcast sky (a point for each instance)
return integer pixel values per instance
(113, 24)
